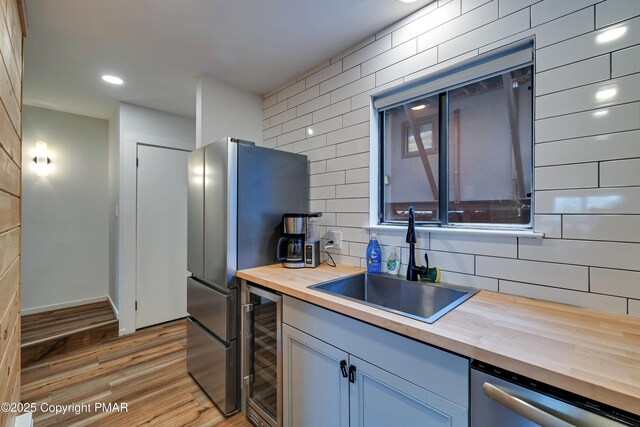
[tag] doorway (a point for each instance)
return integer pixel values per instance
(161, 235)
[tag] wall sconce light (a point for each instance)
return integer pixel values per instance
(42, 159)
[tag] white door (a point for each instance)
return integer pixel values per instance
(161, 249)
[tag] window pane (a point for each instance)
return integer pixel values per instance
(411, 164)
(490, 146)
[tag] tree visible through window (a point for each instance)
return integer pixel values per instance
(477, 170)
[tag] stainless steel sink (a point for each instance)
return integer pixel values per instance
(418, 300)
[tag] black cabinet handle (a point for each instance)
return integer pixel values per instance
(352, 374)
(343, 368)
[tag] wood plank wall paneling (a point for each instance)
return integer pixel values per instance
(12, 31)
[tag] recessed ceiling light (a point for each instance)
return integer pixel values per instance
(112, 79)
(612, 34)
(407, 1)
(606, 94)
(419, 107)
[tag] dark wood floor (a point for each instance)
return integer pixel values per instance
(50, 333)
(147, 370)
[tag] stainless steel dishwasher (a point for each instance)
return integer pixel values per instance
(501, 398)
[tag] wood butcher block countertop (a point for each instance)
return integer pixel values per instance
(587, 352)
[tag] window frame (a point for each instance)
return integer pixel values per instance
(443, 134)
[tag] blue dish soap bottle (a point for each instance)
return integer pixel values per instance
(374, 255)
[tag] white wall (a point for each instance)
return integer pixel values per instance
(139, 125)
(65, 215)
(225, 110)
(587, 166)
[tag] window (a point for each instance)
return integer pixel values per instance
(461, 154)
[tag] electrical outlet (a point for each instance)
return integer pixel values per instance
(336, 236)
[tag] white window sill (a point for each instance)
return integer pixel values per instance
(459, 231)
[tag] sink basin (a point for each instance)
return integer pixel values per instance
(418, 300)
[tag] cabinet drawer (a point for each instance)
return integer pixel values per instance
(212, 308)
(438, 371)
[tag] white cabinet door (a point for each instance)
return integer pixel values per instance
(315, 394)
(161, 245)
(379, 398)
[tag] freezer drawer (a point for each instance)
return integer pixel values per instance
(212, 308)
(213, 366)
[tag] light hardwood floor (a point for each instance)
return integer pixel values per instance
(147, 370)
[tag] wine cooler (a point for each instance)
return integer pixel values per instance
(262, 353)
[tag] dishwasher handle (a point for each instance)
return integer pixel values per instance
(523, 408)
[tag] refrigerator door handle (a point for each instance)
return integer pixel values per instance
(522, 408)
(246, 345)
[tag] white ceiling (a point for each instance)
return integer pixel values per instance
(160, 47)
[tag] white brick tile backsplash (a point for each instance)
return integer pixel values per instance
(325, 126)
(607, 120)
(285, 116)
(477, 282)
(623, 200)
(619, 145)
(341, 79)
(332, 110)
(587, 190)
(321, 153)
(367, 52)
(550, 225)
(353, 161)
(328, 192)
(581, 252)
(269, 143)
(298, 123)
(410, 65)
(583, 175)
(626, 61)
(390, 57)
(290, 91)
(612, 11)
(274, 109)
(361, 115)
(510, 6)
(620, 173)
(354, 88)
(317, 167)
(310, 143)
(360, 145)
(573, 75)
(482, 245)
(461, 25)
(329, 178)
(313, 105)
(548, 10)
(580, 299)
(597, 95)
(358, 175)
(346, 134)
(586, 46)
(324, 74)
(468, 5)
(617, 228)
(490, 33)
(616, 282)
(348, 205)
(427, 22)
(541, 273)
(352, 190)
(304, 96)
(289, 137)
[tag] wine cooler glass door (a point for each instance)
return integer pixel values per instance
(264, 353)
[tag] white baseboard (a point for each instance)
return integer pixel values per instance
(24, 420)
(34, 310)
(113, 306)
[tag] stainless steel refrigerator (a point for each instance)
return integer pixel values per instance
(236, 197)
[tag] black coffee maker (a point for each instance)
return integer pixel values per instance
(291, 245)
